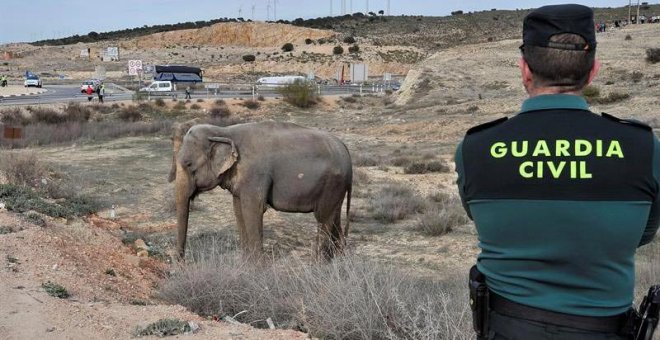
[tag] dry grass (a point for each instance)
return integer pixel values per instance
(350, 298)
(396, 202)
(445, 213)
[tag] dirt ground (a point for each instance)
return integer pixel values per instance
(440, 99)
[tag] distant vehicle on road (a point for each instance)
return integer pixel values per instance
(32, 80)
(279, 81)
(93, 83)
(160, 86)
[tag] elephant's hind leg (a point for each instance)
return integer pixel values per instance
(329, 237)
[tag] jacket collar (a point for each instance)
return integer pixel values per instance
(554, 101)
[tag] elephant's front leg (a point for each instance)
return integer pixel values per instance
(252, 211)
(240, 223)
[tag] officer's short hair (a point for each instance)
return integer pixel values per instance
(568, 69)
(559, 45)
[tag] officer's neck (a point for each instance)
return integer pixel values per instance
(533, 91)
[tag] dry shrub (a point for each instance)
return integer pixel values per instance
(653, 55)
(23, 168)
(220, 112)
(445, 214)
(396, 202)
(400, 161)
(195, 107)
(130, 114)
(363, 159)
(159, 102)
(350, 298)
(426, 167)
(75, 112)
(13, 116)
(45, 134)
(300, 94)
(251, 104)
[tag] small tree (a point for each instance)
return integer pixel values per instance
(354, 49)
(349, 40)
(301, 94)
(249, 58)
(338, 50)
(309, 41)
(288, 47)
(381, 12)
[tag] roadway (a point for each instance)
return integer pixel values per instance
(71, 93)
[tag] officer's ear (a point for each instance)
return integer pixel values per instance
(525, 73)
(594, 71)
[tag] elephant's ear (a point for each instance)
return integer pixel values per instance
(221, 162)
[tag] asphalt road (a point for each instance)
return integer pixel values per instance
(71, 93)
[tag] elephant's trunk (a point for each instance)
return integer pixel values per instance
(183, 193)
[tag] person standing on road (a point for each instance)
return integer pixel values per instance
(90, 93)
(188, 92)
(101, 92)
(561, 197)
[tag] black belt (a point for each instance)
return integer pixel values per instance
(607, 324)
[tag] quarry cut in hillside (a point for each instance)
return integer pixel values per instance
(248, 34)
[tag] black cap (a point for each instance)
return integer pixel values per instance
(544, 22)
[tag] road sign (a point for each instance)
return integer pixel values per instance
(134, 67)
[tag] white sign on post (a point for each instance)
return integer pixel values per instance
(134, 67)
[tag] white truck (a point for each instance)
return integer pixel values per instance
(279, 81)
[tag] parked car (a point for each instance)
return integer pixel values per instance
(32, 80)
(159, 86)
(93, 83)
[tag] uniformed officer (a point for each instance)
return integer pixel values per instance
(561, 197)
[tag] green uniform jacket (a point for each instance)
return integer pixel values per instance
(561, 198)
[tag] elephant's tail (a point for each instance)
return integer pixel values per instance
(348, 208)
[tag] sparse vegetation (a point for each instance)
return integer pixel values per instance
(396, 202)
(444, 214)
(426, 167)
(55, 290)
(300, 94)
(251, 104)
(337, 50)
(249, 58)
(350, 298)
(592, 95)
(349, 40)
(628, 37)
(164, 327)
(288, 47)
(653, 55)
(354, 49)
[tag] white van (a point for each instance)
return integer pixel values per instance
(160, 86)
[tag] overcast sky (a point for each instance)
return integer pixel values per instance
(30, 20)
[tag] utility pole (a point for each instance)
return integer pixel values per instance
(388, 7)
(637, 21)
(240, 11)
(253, 6)
(367, 7)
(268, 10)
(275, 9)
(629, 9)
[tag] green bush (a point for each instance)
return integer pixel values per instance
(590, 92)
(309, 41)
(354, 49)
(249, 58)
(349, 40)
(337, 50)
(288, 47)
(164, 327)
(55, 290)
(301, 94)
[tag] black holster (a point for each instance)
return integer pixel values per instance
(478, 302)
(642, 323)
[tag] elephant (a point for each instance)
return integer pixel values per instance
(281, 165)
